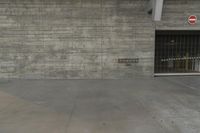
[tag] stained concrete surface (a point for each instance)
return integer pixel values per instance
(140, 105)
(83, 39)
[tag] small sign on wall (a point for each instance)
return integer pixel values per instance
(192, 19)
(128, 60)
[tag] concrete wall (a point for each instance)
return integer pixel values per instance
(82, 39)
(176, 13)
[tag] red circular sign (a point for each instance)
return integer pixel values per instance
(192, 19)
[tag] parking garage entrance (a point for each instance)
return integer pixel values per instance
(177, 52)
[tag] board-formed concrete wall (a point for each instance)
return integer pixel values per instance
(176, 13)
(82, 39)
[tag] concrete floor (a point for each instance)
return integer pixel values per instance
(141, 105)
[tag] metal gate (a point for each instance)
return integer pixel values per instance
(177, 52)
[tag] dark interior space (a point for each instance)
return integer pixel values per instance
(177, 51)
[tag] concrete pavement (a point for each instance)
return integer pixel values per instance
(141, 105)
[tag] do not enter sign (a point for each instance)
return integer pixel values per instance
(192, 19)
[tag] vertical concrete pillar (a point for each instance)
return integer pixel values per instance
(157, 9)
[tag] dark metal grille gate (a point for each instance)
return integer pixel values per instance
(177, 52)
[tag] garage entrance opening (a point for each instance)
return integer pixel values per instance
(177, 52)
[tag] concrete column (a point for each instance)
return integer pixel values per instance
(157, 9)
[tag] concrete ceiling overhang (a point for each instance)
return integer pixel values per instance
(155, 7)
